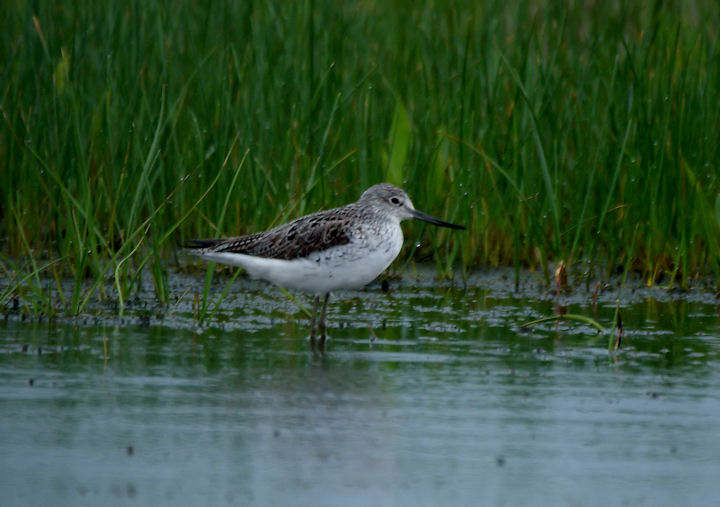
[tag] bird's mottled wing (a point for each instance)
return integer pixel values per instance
(302, 237)
(293, 240)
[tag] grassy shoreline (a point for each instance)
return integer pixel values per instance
(584, 133)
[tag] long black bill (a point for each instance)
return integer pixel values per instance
(435, 221)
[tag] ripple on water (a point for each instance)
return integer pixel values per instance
(429, 395)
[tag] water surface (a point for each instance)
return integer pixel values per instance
(428, 395)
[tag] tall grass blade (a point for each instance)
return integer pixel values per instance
(399, 145)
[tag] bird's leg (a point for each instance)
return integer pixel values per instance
(313, 322)
(322, 325)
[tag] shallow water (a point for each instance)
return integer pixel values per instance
(428, 395)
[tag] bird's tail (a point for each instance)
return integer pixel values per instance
(200, 244)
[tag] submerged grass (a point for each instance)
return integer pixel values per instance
(581, 131)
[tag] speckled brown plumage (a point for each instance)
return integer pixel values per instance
(297, 239)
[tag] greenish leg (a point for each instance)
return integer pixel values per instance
(314, 323)
(322, 325)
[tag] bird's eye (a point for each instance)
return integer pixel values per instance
(395, 201)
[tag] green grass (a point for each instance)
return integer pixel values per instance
(581, 131)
